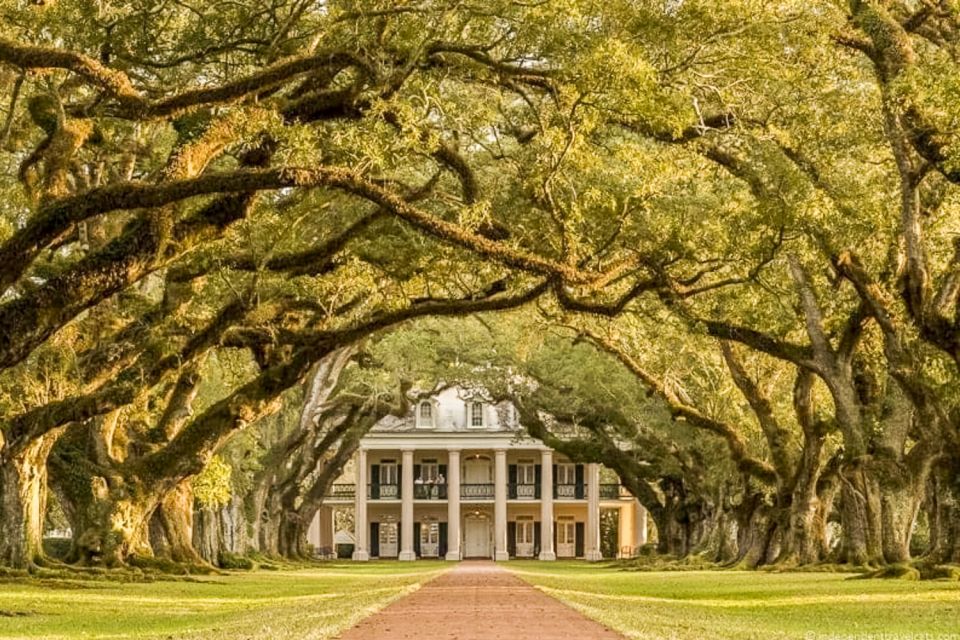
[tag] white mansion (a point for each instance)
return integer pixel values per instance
(459, 478)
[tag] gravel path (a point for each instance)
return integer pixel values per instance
(478, 599)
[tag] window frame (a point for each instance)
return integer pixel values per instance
(426, 422)
(474, 411)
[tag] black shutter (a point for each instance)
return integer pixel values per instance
(418, 490)
(399, 480)
(579, 477)
(416, 539)
(512, 539)
(443, 540)
(554, 536)
(578, 541)
(536, 539)
(512, 476)
(554, 481)
(538, 479)
(442, 489)
(374, 482)
(374, 539)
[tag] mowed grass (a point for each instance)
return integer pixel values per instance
(682, 605)
(316, 602)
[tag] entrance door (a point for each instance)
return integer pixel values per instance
(566, 538)
(429, 539)
(476, 538)
(388, 539)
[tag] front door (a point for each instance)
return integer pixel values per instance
(388, 539)
(429, 539)
(476, 538)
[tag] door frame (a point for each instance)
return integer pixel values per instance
(481, 519)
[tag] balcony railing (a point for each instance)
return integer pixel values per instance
(570, 491)
(613, 491)
(477, 491)
(486, 491)
(523, 491)
(430, 491)
(342, 491)
(376, 491)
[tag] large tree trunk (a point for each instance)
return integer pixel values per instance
(943, 512)
(175, 516)
(757, 524)
(292, 536)
(116, 523)
(804, 531)
(23, 498)
(207, 539)
(860, 517)
(899, 504)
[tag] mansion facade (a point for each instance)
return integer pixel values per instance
(460, 478)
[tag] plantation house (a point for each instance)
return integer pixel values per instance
(459, 478)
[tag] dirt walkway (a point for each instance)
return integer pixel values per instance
(478, 600)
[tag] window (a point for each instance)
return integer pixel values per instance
(388, 472)
(524, 530)
(429, 533)
(476, 414)
(429, 470)
(566, 530)
(526, 473)
(566, 473)
(425, 414)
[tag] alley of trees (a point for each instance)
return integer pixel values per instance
(712, 245)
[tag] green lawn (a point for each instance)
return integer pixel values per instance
(310, 603)
(681, 605)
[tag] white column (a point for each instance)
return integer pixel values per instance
(500, 506)
(361, 547)
(406, 508)
(453, 504)
(547, 551)
(639, 525)
(592, 551)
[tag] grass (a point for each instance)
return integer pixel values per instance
(324, 599)
(681, 605)
(317, 602)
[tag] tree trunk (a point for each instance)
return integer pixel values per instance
(23, 498)
(207, 540)
(943, 510)
(117, 524)
(860, 517)
(757, 523)
(804, 529)
(899, 508)
(176, 518)
(292, 536)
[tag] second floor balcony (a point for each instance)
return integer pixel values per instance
(478, 492)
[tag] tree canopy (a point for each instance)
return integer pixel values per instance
(735, 222)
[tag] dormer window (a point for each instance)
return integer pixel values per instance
(476, 414)
(425, 415)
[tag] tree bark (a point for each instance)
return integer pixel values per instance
(859, 518)
(176, 519)
(943, 509)
(23, 498)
